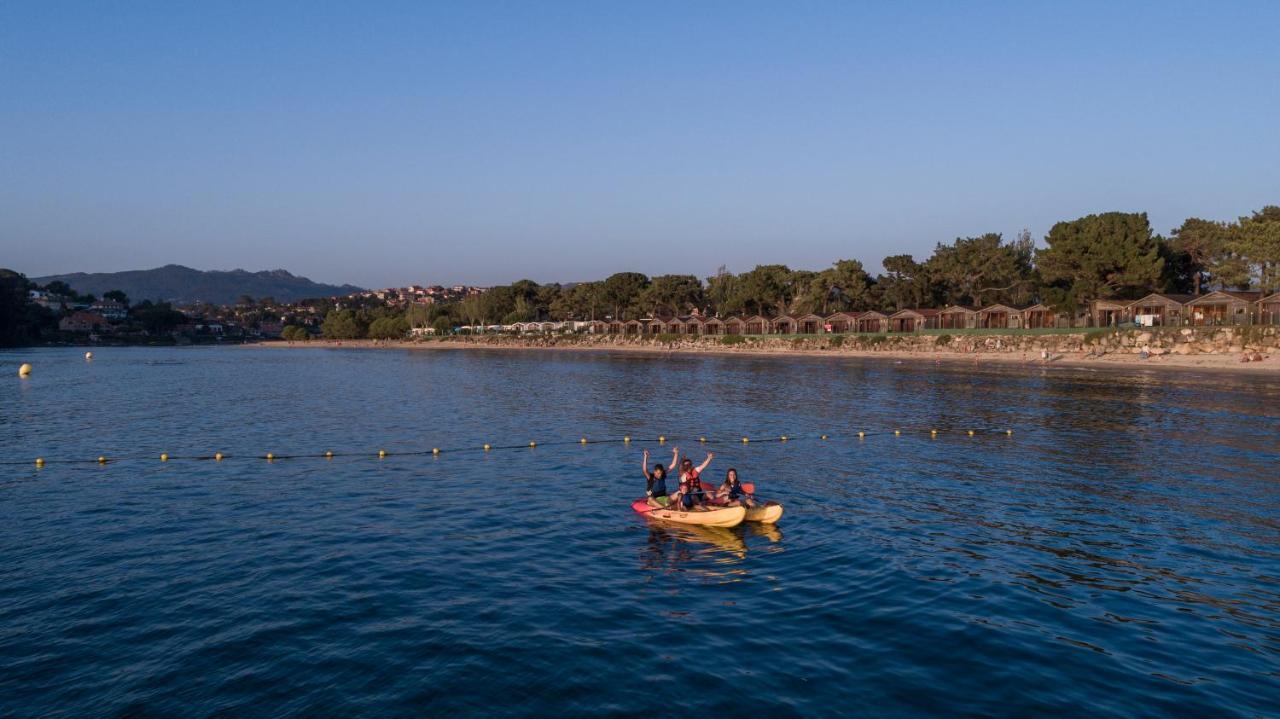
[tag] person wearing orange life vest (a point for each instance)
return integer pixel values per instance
(690, 495)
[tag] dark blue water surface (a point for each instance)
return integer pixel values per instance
(1118, 555)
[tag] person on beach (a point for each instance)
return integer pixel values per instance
(731, 493)
(690, 495)
(656, 481)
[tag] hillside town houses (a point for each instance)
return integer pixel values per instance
(419, 295)
(244, 320)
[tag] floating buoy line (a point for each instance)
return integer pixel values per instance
(437, 452)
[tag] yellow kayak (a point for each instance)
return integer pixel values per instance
(722, 517)
(765, 514)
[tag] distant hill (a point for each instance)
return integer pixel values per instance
(178, 284)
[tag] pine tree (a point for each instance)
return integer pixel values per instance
(1113, 254)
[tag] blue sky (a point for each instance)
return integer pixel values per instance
(386, 143)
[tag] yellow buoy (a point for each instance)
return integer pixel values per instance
(626, 439)
(661, 439)
(486, 448)
(970, 433)
(533, 444)
(897, 433)
(702, 439)
(217, 456)
(1008, 431)
(583, 440)
(88, 355)
(270, 457)
(102, 460)
(861, 435)
(39, 461)
(783, 438)
(824, 436)
(933, 431)
(25, 369)
(435, 450)
(382, 453)
(745, 440)
(328, 455)
(164, 457)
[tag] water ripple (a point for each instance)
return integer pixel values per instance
(1117, 556)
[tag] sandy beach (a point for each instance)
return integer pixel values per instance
(1216, 363)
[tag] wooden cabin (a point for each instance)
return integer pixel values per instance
(757, 325)
(734, 326)
(873, 321)
(1160, 310)
(1269, 310)
(784, 325)
(958, 317)
(913, 320)
(1224, 307)
(1109, 313)
(1039, 316)
(617, 327)
(654, 327)
(842, 322)
(713, 326)
(634, 328)
(694, 325)
(674, 326)
(810, 324)
(1001, 317)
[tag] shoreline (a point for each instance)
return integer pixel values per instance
(1215, 363)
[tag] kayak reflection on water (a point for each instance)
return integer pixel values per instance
(670, 545)
(770, 532)
(706, 550)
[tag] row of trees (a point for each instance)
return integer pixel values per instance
(1110, 255)
(348, 323)
(23, 321)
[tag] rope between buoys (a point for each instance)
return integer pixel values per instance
(744, 440)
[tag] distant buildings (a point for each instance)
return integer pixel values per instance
(83, 321)
(419, 295)
(110, 309)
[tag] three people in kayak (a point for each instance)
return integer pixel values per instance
(693, 497)
(689, 495)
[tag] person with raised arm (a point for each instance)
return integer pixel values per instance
(656, 481)
(690, 495)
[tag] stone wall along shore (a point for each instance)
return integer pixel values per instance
(1156, 341)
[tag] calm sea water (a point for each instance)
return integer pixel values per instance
(1118, 555)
